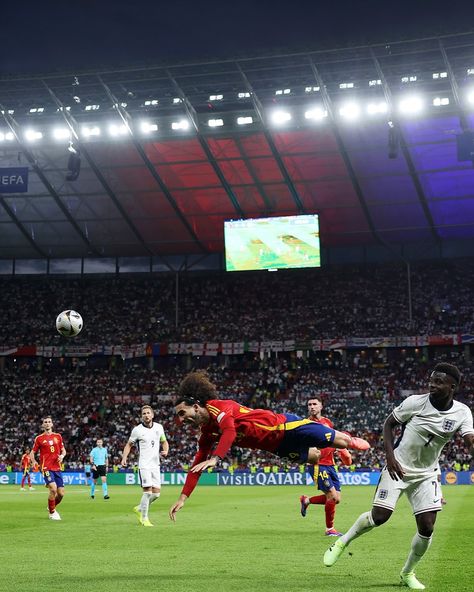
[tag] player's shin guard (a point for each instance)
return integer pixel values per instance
(330, 509)
(419, 546)
(51, 505)
(153, 497)
(362, 525)
(145, 504)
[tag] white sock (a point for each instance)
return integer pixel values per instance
(144, 504)
(362, 525)
(153, 497)
(419, 546)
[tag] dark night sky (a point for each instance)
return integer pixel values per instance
(44, 37)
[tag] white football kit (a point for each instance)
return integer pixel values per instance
(148, 442)
(426, 431)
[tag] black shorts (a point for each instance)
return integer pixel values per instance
(88, 474)
(99, 471)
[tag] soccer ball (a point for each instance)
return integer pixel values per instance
(69, 323)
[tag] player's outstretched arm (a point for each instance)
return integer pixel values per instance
(469, 442)
(176, 507)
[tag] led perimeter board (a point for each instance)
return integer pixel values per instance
(272, 243)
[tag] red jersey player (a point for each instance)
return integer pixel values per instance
(226, 422)
(325, 474)
(52, 452)
(25, 468)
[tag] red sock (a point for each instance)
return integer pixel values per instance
(29, 481)
(23, 480)
(58, 500)
(317, 499)
(51, 505)
(330, 509)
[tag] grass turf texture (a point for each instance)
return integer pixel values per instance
(225, 539)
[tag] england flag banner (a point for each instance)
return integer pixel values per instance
(14, 180)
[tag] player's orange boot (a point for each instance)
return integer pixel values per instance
(357, 443)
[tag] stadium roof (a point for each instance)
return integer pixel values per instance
(166, 155)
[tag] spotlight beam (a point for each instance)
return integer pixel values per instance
(257, 105)
(127, 120)
(15, 129)
(73, 126)
(406, 152)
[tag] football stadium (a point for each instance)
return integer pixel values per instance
(252, 272)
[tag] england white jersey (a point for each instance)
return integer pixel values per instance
(148, 443)
(426, 432)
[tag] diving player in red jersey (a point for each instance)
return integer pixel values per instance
(52, 452)
(224, 422)
(325, 475)
(25, 468)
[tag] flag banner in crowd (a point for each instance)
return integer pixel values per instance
(6, 350)
(232, 348)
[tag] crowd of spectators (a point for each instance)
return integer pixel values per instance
(218, 307)
(87, 404)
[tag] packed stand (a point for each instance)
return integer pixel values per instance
(87, 404)
(218, 307)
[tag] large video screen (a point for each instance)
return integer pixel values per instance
(272, 243)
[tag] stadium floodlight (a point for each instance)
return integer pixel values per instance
(61, 133)
(216, 97)
(9, 136)
(375, 82)
(350, 111)
(146, 127)
(345, 85)
(440, 101)
(316, 114)
(37, 110)
(470, 71)
(87, 131)
(311, 89)
(470, 96)
(244, 120)
(215, 122)
(438, 75)
(408, 79)
(116, 130)
(377, 108)
(91, 107)
(280, 117)
(183, 124)
(32, 135)
(2, 137)
(177, 101)
(411, 105)
(151, 103)
(243, 95)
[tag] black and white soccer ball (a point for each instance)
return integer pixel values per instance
(69, 323)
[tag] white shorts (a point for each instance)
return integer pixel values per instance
(150, 477)
(423, 493)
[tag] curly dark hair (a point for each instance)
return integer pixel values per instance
(196, 387)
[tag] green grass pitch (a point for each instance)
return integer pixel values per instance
(225, 539)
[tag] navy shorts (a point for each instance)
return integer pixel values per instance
(301, 435)
(53, 477)
(327, 478)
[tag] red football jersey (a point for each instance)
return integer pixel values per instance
(327, 454)
(232, 423)
(49, 446)
(25, 461)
